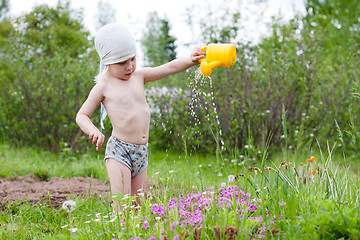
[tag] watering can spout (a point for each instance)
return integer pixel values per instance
(206, 68)
(217, 55)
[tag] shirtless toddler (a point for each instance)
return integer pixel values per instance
(121, 89)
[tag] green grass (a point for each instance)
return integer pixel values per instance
(302, 200)
(46, 165)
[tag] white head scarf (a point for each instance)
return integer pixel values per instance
(114, 44)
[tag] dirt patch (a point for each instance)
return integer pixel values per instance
(53, 192)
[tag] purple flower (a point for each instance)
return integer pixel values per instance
(252, 208)
(173, 224)
(192, 209)
(172, 203)
(146, 225)
(157, 209)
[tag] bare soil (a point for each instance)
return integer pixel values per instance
(54, 192)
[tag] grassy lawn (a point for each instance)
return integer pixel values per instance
(196, 197)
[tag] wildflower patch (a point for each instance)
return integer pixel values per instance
(198, 214)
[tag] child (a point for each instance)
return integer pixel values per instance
(121, 90)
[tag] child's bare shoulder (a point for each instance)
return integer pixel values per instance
(100, 85)
(99, 88)
(141, 73)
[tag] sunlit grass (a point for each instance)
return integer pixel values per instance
(46, 165)
(202, 197)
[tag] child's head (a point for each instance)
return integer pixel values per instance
(114, 44)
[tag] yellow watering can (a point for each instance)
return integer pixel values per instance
(217, 55)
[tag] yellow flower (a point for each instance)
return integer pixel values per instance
(311, 159)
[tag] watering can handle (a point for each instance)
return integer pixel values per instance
(203, 49)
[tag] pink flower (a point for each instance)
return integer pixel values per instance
(157, 209)
(146, 225)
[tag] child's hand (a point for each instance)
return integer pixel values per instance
(98, 138)
(196, 55)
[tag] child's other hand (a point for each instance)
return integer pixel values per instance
(196, 55)
(97, 138)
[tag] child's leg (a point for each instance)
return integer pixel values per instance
(120, 178)
(139, 182)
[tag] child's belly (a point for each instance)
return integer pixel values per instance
(132, 126)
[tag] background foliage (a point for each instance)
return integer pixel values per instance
(45, 68)
(304, 77)
(308, 67)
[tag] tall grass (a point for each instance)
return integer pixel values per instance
(200, 197)
(46, 165)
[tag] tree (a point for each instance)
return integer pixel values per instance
(214, 21)
(106, 14)
(46, 71)
(168, 40)
(159, 46)
(4, 9)
(5, 24)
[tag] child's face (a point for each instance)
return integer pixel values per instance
(123, 70)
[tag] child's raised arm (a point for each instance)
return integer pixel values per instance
(84, 114)
(175, 66)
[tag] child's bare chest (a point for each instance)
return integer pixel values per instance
(125, 92)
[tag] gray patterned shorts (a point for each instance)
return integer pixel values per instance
(134, 156)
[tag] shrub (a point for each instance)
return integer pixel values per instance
(45, 76)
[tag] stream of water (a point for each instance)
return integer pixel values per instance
(198, 85)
